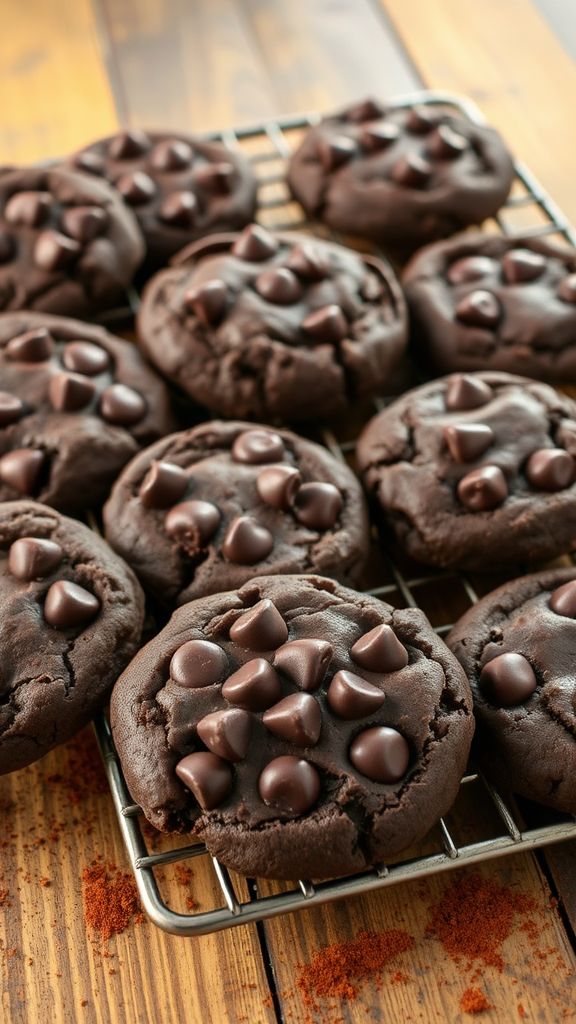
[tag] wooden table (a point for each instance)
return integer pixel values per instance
(73, 71)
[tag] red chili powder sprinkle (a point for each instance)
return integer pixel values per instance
(110, 899)
(473, 1000)
(184, 874)
(521, 1012)
(334, 971)
(4, 897)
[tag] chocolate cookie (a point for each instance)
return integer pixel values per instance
(300, 729)
(180, 187)
(401, 177)
(269, 326)
(481, 302)
(68, 244)
(71, 615)
(476, 471)
(207, 509)
(518, 647)
(76, 403)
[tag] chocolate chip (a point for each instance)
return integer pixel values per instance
(136, 189)
(84, 357)
(278, 486)
(466, 442)
(379, 136)
(32, 558)
(550, 469)
(255, 686)
(54, 251)
(246, 541)
(297, 719)
(522, 265)
(91, 163)
(163, 486)
(11, 408)
(563, 600)
(179, 208)
(305, 661)
(350, 696)
(207, 776)
(192, 523)
(508, 680)
(335, 151)
(255, 244)
(367, 110)
(69, 392)
(171, 155)
(68, 605)
(30, 209)
(479, 309)
(446, 144)
(381, 754)
(84, 223)
(34, 346)
(198, 663)
(308, 262)
(326, 324)
(279, 286)
(216, 178)
(380, 650)
(208, 301)
(464, 392)
(227, 733)
(567, 289)
(262, 628)
(483, 489)
(7, 247)
(318, 505)
(258, 446)
(121, 405)
(289, 785)
(470, 268)
(420, 121)
(412, 170)
(21, 469)
(128, 144)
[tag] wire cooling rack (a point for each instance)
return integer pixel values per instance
(494, 827)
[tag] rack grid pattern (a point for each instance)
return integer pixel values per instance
(529, 210)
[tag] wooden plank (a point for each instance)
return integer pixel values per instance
(53, 83)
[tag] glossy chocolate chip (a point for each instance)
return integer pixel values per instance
(380, 650)
(54, 251)
(308, 262)
(464, 392)
(318, 505)
(381, 754)
(255, 686)
(326, 324)
(278, 486)
(21, 469)
(466, 442)
(335, 151)
(90, 162)
(279, 286)
(216, 178)
(289, 785)
(508, 680)
(192, 523)
(68, 605)
(179, 208)
(11, 408)
(420, 121)
(412, 170)
(198, 663)
(366, 110)
(69, 392)
(446, 144)
(350, 696)
(121, 405)
(521, 265)
(7, 247)
(85, 357)
(84, 223)
(470, 268)
(262, 628)
(483, 489)
(34, 346)
(305, 661)
(136, 189)
(29, 209)
(128, 144)
(297, 719)
(207, 776)
(563, 600)
(257, 447)
(479, 309)
(171, 155)
(379, 136)
(227, 733)
(208, 301)
(255, 244)
(550, 469)
(246, 541)
(163, 486)
(567, 289)
(32, 558)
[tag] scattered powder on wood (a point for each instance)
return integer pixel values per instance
(110, 899)
(473, 1000)
(184, 874)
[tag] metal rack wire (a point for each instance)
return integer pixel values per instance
(529, 210)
